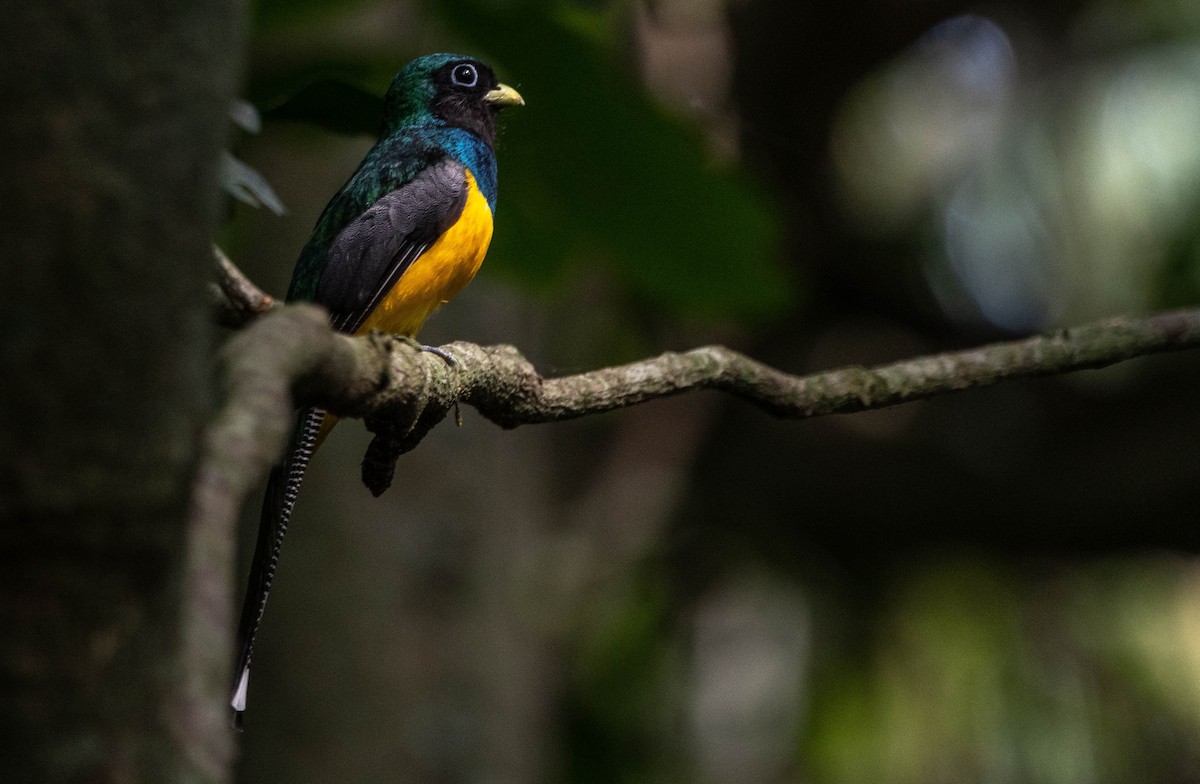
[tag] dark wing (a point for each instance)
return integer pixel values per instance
(368, 256)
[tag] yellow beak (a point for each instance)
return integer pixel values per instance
(503, 96)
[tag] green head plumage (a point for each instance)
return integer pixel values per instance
(449, 90)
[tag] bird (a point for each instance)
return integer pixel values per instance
(406, 233)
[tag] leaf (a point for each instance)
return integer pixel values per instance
(247, 185)
(331, 104)
(245, 116)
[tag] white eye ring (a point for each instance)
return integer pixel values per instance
(464, 75)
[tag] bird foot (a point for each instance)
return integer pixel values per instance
(441, 352)
(449, 358)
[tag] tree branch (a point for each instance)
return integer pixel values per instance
(238, 301)
(402, 393)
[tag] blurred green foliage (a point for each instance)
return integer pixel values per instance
(604, 175)
(620, 683)
(981, 673)
(270, 16)
(593, 172)
(967, 669)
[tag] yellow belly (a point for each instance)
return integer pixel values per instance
(439, 273)
(433, 279)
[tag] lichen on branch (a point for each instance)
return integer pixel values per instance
(402, 393)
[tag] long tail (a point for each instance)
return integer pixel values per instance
(282, 489)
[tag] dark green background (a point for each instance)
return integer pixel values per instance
(994, 586)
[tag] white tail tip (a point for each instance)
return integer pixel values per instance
(239, 697)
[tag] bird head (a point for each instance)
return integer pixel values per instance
(447, 89)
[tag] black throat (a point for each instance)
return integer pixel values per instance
(469, 112)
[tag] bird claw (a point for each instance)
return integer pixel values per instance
(446, 356)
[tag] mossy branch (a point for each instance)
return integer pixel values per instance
(402, 393)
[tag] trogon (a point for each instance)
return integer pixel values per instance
(404, 235)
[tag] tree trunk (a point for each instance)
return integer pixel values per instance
(114, 117)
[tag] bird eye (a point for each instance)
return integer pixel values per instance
(464, 75)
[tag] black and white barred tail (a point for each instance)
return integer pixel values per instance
(283, 487)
